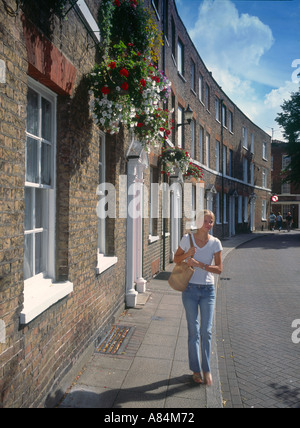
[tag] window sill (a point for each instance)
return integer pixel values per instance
(40, 295)
(181, 76)
(152, 239)
(104, 263)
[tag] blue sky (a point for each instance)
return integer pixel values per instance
(253, 50)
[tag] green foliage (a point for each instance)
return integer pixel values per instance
(128, 88)
(124, 21)
(56, 7)
(289, 119)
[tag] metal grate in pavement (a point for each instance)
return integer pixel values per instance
(116, 340)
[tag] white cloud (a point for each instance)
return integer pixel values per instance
(230, 40)
(271, 105)
(232, 46)
(277, 96)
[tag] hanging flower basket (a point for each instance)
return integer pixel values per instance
(174, 158)
(194, 173)
(127, 86)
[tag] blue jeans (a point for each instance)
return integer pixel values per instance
(193, 297)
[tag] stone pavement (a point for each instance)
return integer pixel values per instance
(150, 366)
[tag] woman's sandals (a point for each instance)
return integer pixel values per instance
(197, 378)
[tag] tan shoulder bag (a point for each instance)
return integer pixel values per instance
(181, 274)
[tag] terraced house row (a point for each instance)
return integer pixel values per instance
(65, 273)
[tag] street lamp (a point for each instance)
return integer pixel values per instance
(188, 115)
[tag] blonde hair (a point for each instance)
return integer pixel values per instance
(208, 212)
(200, 218)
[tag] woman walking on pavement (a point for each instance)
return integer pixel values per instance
(201, 293)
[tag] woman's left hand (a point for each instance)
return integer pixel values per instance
(192, 262)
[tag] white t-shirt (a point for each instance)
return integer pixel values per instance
(204, 255)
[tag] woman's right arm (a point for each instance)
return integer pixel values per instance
(180, 255)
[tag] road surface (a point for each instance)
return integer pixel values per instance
(258, 301)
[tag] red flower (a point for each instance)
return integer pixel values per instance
(125, 86)
(117, 3)
(105, 90)
(143, 82)
(140, 125)
(112, 65)
(133, 3)
(124, 72)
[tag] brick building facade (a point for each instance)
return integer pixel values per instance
(65, 274)
(288, 193)
(233, 152)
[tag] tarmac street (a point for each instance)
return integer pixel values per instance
(255, 361)
(257, 328)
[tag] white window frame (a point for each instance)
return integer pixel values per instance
(193, 138)
(180, 129)
(245, 137)
(264, 177)
(224, 116)
(201, 88)
(102, 175)
(217, 154)
(180, 57)
(218, 206)
(217, 107)
(151, 208)
(264, 151)
(286, 160)
(225, 208)
(104, 262)
(207, 97)
(246, 203)
(155, 7)
(230, 121)
(193, 76)
(240, 209)
(245, 170)
(286, 189)
(201, 142)
(252, 143)
(41, 291)
(264, 210)
(84, 9)
(252, 174)
(207, 149)
(230, 163)
(224, 160)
